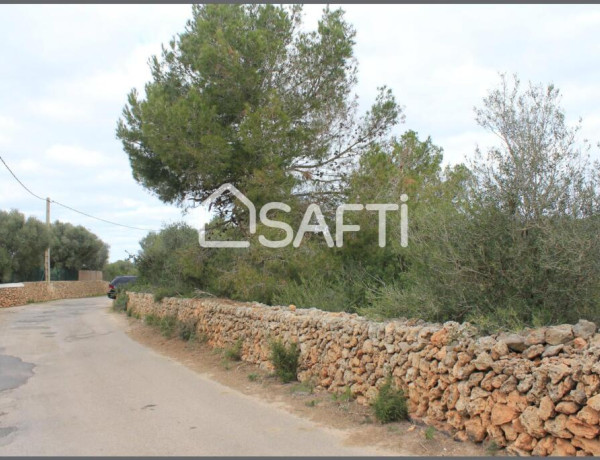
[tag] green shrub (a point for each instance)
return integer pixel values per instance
(344, 396)
(492, 448)
(307, 388)
(430, 433)
(120, 303)
(234, 353)
(285, 360)
(118, 268)
(162, 292)
(152, 319)
(390, 404)
(167, 325)
(325, 294)
(186, 330)
(202, 337)
(253, 377)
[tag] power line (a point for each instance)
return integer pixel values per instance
(69, 207)
(99, 218)
(17, 179)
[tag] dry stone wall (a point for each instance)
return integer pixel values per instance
(535, 393)
(44, 292)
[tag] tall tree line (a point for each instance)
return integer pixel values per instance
(24, 240)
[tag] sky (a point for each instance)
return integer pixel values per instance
(65, 72)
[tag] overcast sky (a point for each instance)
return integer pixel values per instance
(65, 72)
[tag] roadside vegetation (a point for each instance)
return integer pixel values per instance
(245, 95)
(390, 404)
(234, 352)
(121, 301)
(285, 360)
(24, 240)
(118, 268)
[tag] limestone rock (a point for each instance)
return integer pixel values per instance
(557, 427)
(525, 442)
(546, 408)
(533, 351)
(515, 342)
(552, 350)
(483, 362)
(564, 448)
(557, 372)
(536, 337)
(439, 338)
(532, 422)
(544, 447)
(525, 384)
(567, 407)
(579, 343)
(582, 429)
(594, 402)
(499, 350)
(462, 371)
(584, 329)
(502, 414)
(590, 446)
(517, 401)
(461, 436)
(475, 429)
(589, 416)
(556, 335)
(509, 431)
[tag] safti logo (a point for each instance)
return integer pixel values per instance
(313, 211)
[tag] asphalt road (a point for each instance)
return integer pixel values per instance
(73, 383)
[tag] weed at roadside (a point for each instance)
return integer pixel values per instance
(285, 360)
(307, 388)
(343, 396)
(186, 330)
(492, 448)
(167, 326)
(202, 337)
(152, 320)
(390, 404)
(234, 353)
(366, 421)
(430, 433)
(120, 303)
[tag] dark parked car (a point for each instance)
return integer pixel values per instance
(119, 281)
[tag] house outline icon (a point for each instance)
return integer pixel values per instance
(251, 209)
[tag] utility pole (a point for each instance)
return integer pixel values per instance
(47, 252)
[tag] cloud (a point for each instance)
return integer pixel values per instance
(29, 165)
(70, 155)
(460, 147)
(79, 98)
(57, 109)
(8, 127)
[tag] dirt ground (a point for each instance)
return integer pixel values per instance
(325, 408)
